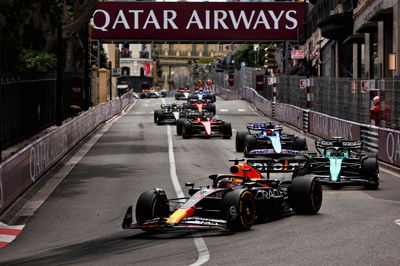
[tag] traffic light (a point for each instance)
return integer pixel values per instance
(270, 62)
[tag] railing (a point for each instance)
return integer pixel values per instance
(28, 103)
(125, 54)
(143, 54)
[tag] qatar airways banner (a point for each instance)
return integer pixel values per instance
(198, 21)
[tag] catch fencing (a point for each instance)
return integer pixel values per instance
(383, 142)
(344, 98)
(25, 167)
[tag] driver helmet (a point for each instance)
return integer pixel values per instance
(376, 100)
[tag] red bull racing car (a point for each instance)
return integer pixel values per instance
(203, 125)
(267, 139)
(234, 201)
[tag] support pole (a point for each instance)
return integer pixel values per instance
(59, 96)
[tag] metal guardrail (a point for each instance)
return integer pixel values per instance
(369, 138)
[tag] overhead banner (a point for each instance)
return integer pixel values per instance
(199, 21)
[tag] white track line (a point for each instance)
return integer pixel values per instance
(397, 221)
(201, 246)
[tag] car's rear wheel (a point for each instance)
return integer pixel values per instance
(300, 143)
(240, 139)
(151, 204)
(179, 125)
(305, 194)
(213, 109)
(239, 209)
(370, 170)
(187, 130)
(157, 113)
(226, 130)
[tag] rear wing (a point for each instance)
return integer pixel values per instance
(279, 165)
(178, 106)
(325, 144)
(264, 126)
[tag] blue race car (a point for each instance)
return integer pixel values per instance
(340, 162)
(267, 139)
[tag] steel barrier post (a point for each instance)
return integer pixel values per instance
(273, 98)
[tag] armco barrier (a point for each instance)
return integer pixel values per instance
(389, 146)
(384, 141)
(327, 127)
(25, 167)
(289, 114)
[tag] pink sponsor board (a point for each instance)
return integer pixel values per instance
(327, 127)
(25, 167)
(289, 114)
(389, 146)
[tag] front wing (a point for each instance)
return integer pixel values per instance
(159, 224)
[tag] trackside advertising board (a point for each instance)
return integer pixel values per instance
(200, 21)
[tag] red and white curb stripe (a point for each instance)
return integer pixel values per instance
(8, 233)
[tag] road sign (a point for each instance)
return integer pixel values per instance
(297, 54)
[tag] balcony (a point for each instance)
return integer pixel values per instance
(186, 54)
(333, 17)
(144, 54)
(125, 53)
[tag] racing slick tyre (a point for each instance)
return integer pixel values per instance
(370, 170)
(250, 143)
(239, 208)
(179, 125)
(300, 143)
(240, 139)
(226, 130)
(156, 115)
(305, 194)
(187, 130)
(151, 204)
(212, 109)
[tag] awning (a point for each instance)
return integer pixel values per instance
(355, 38)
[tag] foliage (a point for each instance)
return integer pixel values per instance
(205, 60)
(32, 25)
(246, 53)
(35, 61)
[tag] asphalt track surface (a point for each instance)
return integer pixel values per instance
(80, 222)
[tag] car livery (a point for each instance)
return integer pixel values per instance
(168, 114)
(268, 139)
(200, 105)
(340, 162)
(197, 124)
(233, 201)
(182, 94)
(203, 95)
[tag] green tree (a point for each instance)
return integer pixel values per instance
(32, 26)
(247, 54)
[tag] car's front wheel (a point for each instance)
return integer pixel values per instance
(240, 209)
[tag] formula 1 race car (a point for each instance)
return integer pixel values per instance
(197, 124)
(147, 93)
(234, 201)
(168, 114)
(203, 95)
(268, 139)
(341, 162)
(182, 94)
(200, 105)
